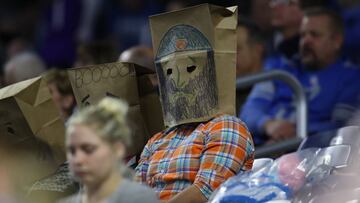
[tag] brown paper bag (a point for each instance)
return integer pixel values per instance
(92, 83)
(150, 104)
(31, 129)
(195, 57)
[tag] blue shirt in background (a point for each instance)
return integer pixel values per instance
(332, 94)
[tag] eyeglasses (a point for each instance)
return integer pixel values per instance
(283, 2)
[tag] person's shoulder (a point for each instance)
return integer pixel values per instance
(229, 127)
(279, 62)
(225, 118)
(130, 191)
(347, 71)
(157, 136)
(226, 121)
(348, 66)
(135, 186)
(71, 199)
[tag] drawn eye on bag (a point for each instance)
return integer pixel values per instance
(86, 101)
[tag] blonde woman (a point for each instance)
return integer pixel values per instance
(96, 140)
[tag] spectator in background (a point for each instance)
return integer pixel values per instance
(61, 92)
(330, 82)
(250, 54)
(17, 46)
(261, 15)
(95, 53)
(286, 18)
(142, 56)
(250, 48)
(23, 66)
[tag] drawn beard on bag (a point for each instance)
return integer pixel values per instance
(187, 76)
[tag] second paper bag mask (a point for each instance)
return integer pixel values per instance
(92, 83)
(195, 58)
(31, 131)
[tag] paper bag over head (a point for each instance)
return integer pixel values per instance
(195, 59)
(92, 83)
(31, 129)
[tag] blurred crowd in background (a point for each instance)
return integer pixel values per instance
(70, 33)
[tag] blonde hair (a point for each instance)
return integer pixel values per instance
(107, 118)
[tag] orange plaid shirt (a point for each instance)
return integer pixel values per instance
(204, 154)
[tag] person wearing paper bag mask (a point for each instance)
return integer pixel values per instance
(204, 144)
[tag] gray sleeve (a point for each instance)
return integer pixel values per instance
(72, 199)
(145, 195)
(132, 192)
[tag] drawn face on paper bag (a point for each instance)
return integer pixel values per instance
(187, 75)
(10, 120)
(93, 83)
